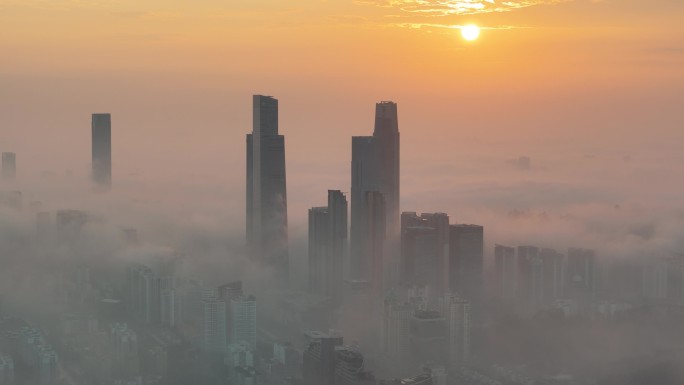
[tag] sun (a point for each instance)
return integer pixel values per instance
(470, 32)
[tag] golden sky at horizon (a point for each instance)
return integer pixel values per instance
(541, 70)
(534, 39)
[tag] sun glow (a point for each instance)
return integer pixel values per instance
(470, 32)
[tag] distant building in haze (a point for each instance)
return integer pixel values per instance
(328, 246)
(424, 250)
(214, 339)
(9, 166)
(505, 272)
(102, 150)
(396, 328)
(581, 275)
(375, 167)
(319, 360)
(375, 226)
(6, 369)
(267, 239)
(530, 277)
(428, 336)
(457, 314)
(553, 264)
(466, 261)
(243, 320)
(349, 368)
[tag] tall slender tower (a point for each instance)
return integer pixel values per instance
(102, 150)
(266, 188)
(387, 138)
(9, 165)
(375, 167)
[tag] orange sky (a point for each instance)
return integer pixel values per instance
(550, 79)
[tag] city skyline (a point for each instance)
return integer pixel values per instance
(347, 192)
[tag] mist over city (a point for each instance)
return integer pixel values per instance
(357, 192)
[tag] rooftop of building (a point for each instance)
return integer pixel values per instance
(427, 314)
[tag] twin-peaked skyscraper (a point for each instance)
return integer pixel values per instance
(375, 196)
(267, 240)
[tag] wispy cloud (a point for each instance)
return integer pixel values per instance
(452, 26)
(439, 8)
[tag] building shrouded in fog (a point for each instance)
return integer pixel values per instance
(319, 360)
(581, 276)
(466, 259)
(267, 239)
(6, 370)
(424, 250)
(349, 368)
(243, 320)
(214, 339)
(505, 272)
(457, 314)
(328, 246)
(375, 167)
(9, 165)
(102, 150)
(396, 326)
(428, 336)
(553, 264)
(530, 277)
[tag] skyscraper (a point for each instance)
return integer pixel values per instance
(530, 277)
(319, 359)
(375, 167)
(9, 165)
(328, 245)
(243, 320)
(102, 150)
(375, 228)
(506, 272)
(364, 178)
(267, 240)
(387, 145)
(554, 274)
(457, 314)
(395, 332)
(424, 250)
(466, 258)
(581, 275)
(214, 339)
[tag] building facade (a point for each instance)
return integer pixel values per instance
(267, 239)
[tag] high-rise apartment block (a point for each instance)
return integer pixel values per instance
(424, 250)
(457, 314)
(243, 320)
(213, 338)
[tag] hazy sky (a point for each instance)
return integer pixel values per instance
(577, 85)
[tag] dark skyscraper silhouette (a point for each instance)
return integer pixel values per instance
(9, 165)
(375, 167)
(102, 150)
(387, 146)
(375, 228)
(466, 261)
(267, 239)
(328, 246)
(424, 246)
